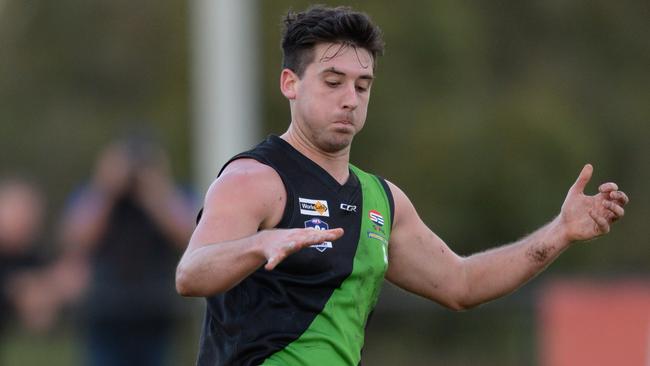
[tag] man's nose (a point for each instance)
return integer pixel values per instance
(350, 99)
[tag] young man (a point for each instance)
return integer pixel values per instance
(294, 242)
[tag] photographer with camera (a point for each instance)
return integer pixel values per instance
(124, 231)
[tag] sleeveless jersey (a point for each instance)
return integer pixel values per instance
(313, 307)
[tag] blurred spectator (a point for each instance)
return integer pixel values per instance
(25, 292)
(128, 224)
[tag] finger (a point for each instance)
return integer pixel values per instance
(311, 236)
(620, 197)
(270, 264)
(334, 234)
(602, 226)
(275, 259)
(273, 262)
(607, 187)
(318, 236)
(613, 207)
(583, 179)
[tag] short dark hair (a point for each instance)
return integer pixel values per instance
(320, 24)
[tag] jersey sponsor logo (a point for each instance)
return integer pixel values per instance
(319, 224)
(313, 207)
(374, 235)
(349, 208)
(377, 221)
(376, 217)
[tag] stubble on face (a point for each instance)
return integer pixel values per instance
(335, 141)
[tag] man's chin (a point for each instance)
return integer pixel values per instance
(337, 143)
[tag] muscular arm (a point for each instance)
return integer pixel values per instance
(227, 244)
(420, 262)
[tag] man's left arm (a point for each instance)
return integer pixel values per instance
(420, 262)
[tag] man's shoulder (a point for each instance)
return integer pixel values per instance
(247, 186)
(248, 171)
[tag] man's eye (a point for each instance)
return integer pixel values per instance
(361, 89)
(332, 83)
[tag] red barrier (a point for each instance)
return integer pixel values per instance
(595, 323)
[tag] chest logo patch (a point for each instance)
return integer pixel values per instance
(313, 207)
(376, 218)
(319, 224)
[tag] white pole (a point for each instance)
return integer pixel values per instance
(224, 76)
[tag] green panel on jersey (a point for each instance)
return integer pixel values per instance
(336, 335)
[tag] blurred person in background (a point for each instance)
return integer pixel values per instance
(294, 241)
(126, 228)
(27, 293)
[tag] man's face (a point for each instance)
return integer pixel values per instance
(331, 99)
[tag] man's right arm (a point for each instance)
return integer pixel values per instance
(235, 237)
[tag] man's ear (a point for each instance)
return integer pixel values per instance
(288, 83)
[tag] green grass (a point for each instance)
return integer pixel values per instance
(58, 347)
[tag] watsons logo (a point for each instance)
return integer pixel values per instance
(319, 224)
(313, 207)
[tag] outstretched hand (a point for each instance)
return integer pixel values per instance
(284, 242)
(586, 217)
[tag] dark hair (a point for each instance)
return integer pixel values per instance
(320, 24)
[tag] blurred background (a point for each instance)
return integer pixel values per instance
(483, 113)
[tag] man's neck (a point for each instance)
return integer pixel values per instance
(336, 164)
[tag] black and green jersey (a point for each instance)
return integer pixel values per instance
(313, 307)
